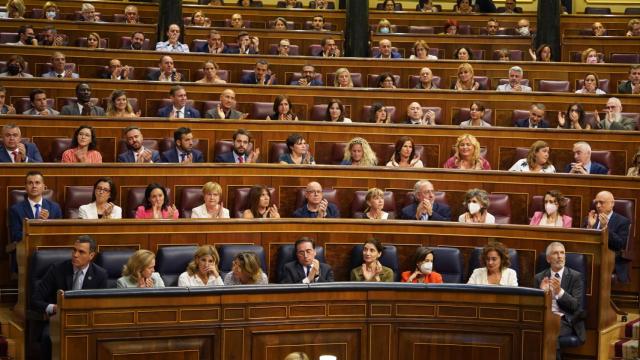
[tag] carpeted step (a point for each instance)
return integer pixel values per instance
(4, 346)
(626, 349)
(632, 329)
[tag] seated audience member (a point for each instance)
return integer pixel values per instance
(492, 27)
(504, 55)
(343, 78)
(93, 40)
(543, 53)
(5, 108)
(199, 19)
(83, 105)
(137, 41)
(386, 51)
(245, 270)
(421, 51)
(282, 109)
(241, 140)
(463, 7)
(247, 3)
(101, 205)
(203, 269)
(590, 85)
(450, 27)
(510, 7)
(15, 68)
(476, 116)
(283, 47)
(383, 27)
(15, 9)
(375, 204)
(359, 153)
(297, 152)
(476, 202)
(306, 268)
(566, 286)
(173, 43)
(537, 160)
(613, 117)
(247, 45)
(50, 37)
(297, 355)
(426, 80)
(603, 217)
(136, 152)
(385, 81)
(467, 155)
(280, 24)
(425, 206)
(260, 205)
(318, 5)
(583, 164)
(119, 106)
(590, 56)
(88, 13)
(465, 79)
(156, 204)
(317, 23)
(633, 27)
(261, 75)
(140, 272)
(39, 104)
(389, 5)
(179, 107)
(131, 15)
(50, 11)
(315, 205)
(416, 116)
(631, 86)
(423, 271)
(210, 70)
(463, 53)
(515, 81)
(226, 108)
(13, 150)
(117, 71)
(212, 208)
(183, 151)
(536, 118)
(574, 118)
(634, 170)
(34, 206)
(83, 147)
(336, 112)
(58, 63)
(26, 36)
(427, 6)
(329, 48)
(77, 273)
(371, 268)
(214, 44)
(522, 27)
(308, 77)
(237, 22)
(495, 270)
(404, 154)
(554, 211)
(167, 72)
(597, 29)
(378, 114)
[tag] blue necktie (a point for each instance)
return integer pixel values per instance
(308, 269)
(37, 214)
(183, 156)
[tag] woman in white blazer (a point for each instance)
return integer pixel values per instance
(101, 205)
(496, 271)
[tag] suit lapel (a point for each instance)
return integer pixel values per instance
(566, 278)
(27, 208)
(300, 270)
(4, 157)
(68, 276)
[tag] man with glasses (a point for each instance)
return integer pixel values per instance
(613, 117)
(425, 206)
(306, 268)
(316, 206)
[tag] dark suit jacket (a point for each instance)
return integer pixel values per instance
(226, 157)
(60, 277)
(394, 55)
(544, 124)
(22, 210)
(596, 168)
(189, 112)
(625, 87)
(618, 229)
(155, 75)
(129, 157)
(33, 154)
(204, 48)
(314, 82)
(571, 301)
(236, 50)
(73, 110)
(293, 273)
(171, 156)
(440, 212)
(250, 78)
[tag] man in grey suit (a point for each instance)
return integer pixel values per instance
(39, 105)
(226, 108)
(58, 63)
(567, 290)
(83, 106)
(613, 119)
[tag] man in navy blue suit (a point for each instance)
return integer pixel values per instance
(136, 152)
(603, 217)
(261, 75)
(178, 109)
(386, 50)
(583, 164)
(536, 118)
(183, 151)
(306, 269)
(214, 44)
(425, 207)
(240, 153)
(35, 206)
(12, 150)
(308, 77)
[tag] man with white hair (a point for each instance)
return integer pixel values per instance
(613, 119)
(582, 161)
(425, 206)
(515, 79)
(386, 50)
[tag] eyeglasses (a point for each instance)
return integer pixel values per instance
(314, 191)
(104, 190)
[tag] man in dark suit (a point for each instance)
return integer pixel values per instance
(247, 44)
(386, 50)
(75, 274)
(226, 108)
(306, 269)
(617, 226)
(136, 152)
(260, 76)
(117, 71)
(329, 48)
(536, 118)
(240, 153)
(35, 206)
(12, 150)
(83, 106)
(425, 207)
(178, 109)
(583, 164)
(214, 44)
(631, 86)
(308, 77)
(183, 151)
(167, 72)
(567, 290)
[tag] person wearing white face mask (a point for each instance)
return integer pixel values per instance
(553, 214)
(423, 272)
(476, 201)
(522, 27)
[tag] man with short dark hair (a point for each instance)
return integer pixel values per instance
(39, 104)
(247, 44)
(240, 153)
(58, 70)
(226, 107)
(631, 86)
(136, 152)
(183, 151)
(306, 268)
(26, 36)
(12, 150)
(83, 105)
(536, 118)
(425, 206)
(260, 76)
(329, 48)
(317, 24)
(492, 27)
(179, 108)
(137, 41)
(316, 206)
(214, 44)
(308, 77)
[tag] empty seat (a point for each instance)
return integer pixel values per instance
(228, 251)
(58, 146)
(283, 4)
(239, 201)
(171, 261)
(190, 197)
(319, 112)
(314, 50)
(113, 261)
(500, 208)
(76, 196)
(8, 37)
(632, 11)
(421, 29)
(554, 86)
(597, 10)
(287, 253)
(625, 58)
(603, 157)
(478, 54)
(463, 115)
(358, 204)
(475, 260)
(389, 259)
(261, 110)
(276, 149)
(515, 116)
(448, 263)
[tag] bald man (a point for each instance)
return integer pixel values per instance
(613, 117)
(603, 217)
(386, 50)
(316, 206)
(226, 108)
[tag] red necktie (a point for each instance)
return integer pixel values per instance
(241, 159)
(14, 153)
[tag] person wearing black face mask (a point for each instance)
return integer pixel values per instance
(27, 36)
(83, 105)
(15, 68)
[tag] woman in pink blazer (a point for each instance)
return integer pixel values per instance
(553, 214)
(156, 204)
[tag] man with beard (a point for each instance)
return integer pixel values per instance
(226, 108)
(83, 106)
(39, 104)
(240, 153)
(613, 119)
(137, 41)
(183, 151)
(136, 152)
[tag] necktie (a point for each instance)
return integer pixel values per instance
(183, 156)
(77, 285)
(179, 113)
(308, 269)
(14, 153)
(86, 110)
(37, 214)
(557, 275)
(241, 159)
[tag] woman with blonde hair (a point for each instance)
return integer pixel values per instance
(15, 9)
(93, 40)
(210, 71)
(537, 160)
(359, 153)
(298, 355)
(246, 269)
(140, 272)
(343, 78)
(465, 78)
(212, 208)
(119, 105)
(467, 155)
(50, 10)
(375, 204)
(590, 56)
(199, 19)
(203, 269)
(384, 27)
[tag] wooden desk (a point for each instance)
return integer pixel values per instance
(606, 45)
